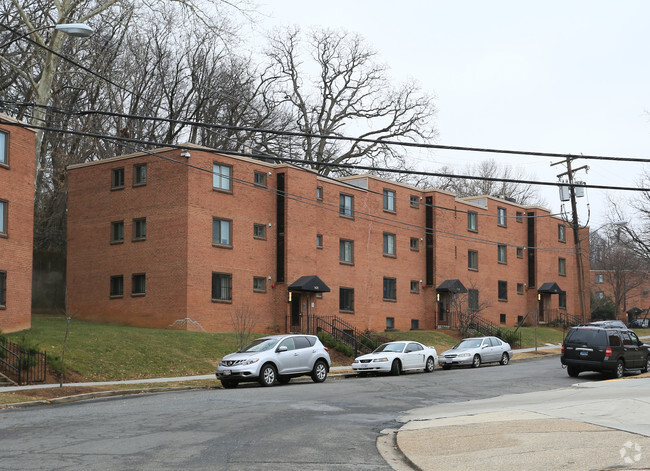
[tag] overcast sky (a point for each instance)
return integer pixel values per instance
(553, 76)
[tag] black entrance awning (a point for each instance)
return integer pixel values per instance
(635, 311)
(451, 286)
(550, 288)
(310, 283)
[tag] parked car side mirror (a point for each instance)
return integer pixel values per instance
(283, 348)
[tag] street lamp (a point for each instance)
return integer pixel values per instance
(76, 30)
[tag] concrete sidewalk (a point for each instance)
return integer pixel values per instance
(600, 425)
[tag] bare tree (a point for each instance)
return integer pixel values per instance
(519, 192)
(243, 322)
(330, 84)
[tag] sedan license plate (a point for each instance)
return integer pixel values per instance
(448, 360)
(363, 365)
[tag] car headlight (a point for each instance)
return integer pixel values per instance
(250, 361)
(464, 354)
(380, 359)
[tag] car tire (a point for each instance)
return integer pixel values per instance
(319, 373)
(228, 384)
(646, 368)
(268, 375)
(505, 359)
(430, 365)
(396, 368)
(284, 379)
(446, 367)
(573, 371)
(477, 361)
(620, 369)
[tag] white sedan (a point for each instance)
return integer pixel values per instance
(395, 357)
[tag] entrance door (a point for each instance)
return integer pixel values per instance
(443, 311)
(296, 302)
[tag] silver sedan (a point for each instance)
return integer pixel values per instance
(477, 350)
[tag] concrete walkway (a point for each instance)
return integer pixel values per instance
(600, 425)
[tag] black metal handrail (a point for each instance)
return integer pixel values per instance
(484, 327)
(20, 365)
(347, 334)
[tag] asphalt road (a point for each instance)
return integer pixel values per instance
(300, 426)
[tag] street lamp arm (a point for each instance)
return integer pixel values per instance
(78, 30)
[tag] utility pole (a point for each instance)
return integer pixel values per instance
(575, 225)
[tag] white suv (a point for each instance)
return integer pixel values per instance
(276, 358)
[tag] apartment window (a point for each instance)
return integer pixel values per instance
(259, 231)
(520, 288)
(600, 294)
(319, 193)
(389, 244)
(259, 178)
(519, 216)
(415, 286)
(4, 209)
(561, 266)
(4, 148)
(389, 200)
(415, 324)
(520, 252)
(472, 221)
(600, 278)
(139, 174)
(221, 287)
(561, 233)
(346, 299)
(390, 289)
(502, 253)
(140, 229)
(501, 216)
(138, 284)
(502, 290)
(562, 300)
(502, 318)
(346, 205)
(346, 251)
(3, 288)
(259, 284)
(117, 232)
(390, 323)
(221, 177)
(117, 180)
(472, 259)
(415, 201)
(222, 232)
(117, 286)
(319, 241)
(644, 294)
(415, 244)
(472, 300)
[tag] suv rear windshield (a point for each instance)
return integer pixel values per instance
(589, 337)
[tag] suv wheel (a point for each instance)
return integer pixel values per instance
(573, 371)
(268, 375)
(646, 368)
(620, 369)
(319, 373)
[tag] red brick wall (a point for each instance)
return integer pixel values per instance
(17, 188)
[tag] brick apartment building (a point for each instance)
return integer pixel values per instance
(156, 243)
(633, 288)
(16, 224)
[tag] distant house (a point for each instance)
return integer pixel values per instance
(199, 240)
(17, 146)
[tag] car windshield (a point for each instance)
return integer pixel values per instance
(260, 345)
(390, 347)
(468, 343)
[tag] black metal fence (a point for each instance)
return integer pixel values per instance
(341, 331)
(20, 365)
(483, 327)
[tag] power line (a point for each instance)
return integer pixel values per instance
(331, 164)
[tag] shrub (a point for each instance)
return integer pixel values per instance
(331, 342)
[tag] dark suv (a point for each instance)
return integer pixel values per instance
(605, 349)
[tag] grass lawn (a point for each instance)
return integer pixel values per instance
(102, 352)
